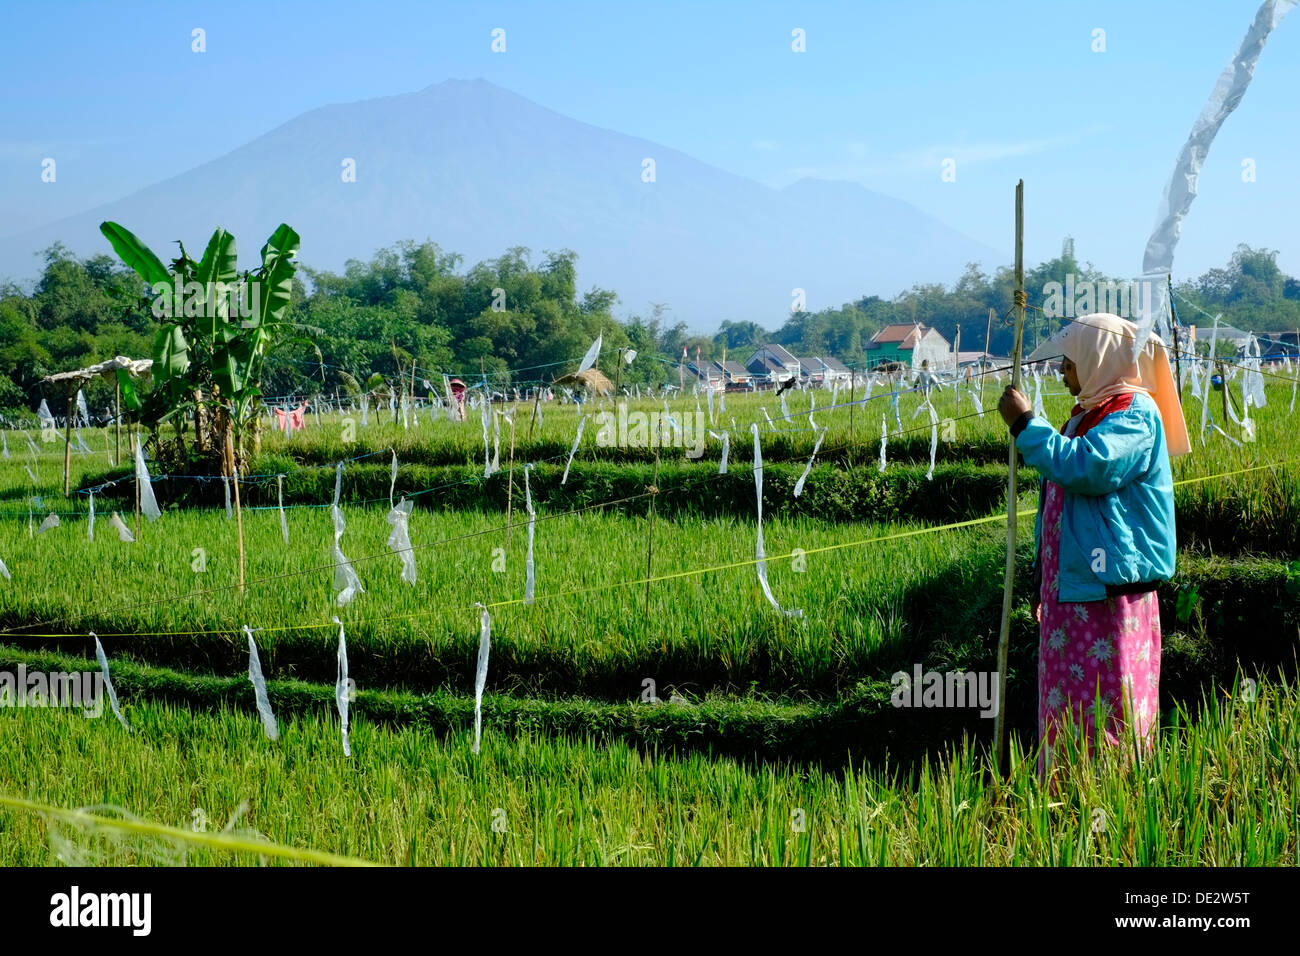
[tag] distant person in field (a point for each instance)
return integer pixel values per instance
(458, 398)
(1105, 530)
(926, 379)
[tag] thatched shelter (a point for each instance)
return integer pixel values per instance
(592, 379)
(73, 380)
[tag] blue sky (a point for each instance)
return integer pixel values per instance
(884, 93)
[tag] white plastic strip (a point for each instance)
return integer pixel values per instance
(399, 539)
(798, 485)
(123, 532)
(392, 481)
(345, 576)
(4, 570)
(148, 504)
(708, 393)
(480, 672)
(725, 438)
(342, 689)
(51, 521)
(884, 437)
(759, 554)
(589, 360)
(582, 423)
(108, 683)
(812, 407)
(4, 442)
(259, 688)
(284, 523)
(1227, 93)
(90, 524)
(529, 570)
(934, 440)
(487, 452)
(496, 442)
(225, 486)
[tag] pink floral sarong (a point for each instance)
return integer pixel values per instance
(1094, 650)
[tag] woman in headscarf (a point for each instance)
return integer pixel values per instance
(1104, 532)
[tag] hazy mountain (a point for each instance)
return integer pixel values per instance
(479, 169)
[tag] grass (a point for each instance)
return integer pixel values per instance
(781, 715)
(1220, 791)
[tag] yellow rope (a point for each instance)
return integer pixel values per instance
(216, 841)
(640, 581)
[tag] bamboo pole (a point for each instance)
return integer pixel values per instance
(650, 539)
(67, 442)
(117, 424)
(984, 361)
(1004, 631)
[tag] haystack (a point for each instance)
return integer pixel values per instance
(592, 379)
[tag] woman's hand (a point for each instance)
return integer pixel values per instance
(1012, 404)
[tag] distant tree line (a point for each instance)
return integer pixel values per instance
(517, 321)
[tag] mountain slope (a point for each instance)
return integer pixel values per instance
(478, 169)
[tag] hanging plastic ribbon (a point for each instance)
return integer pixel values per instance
(582, 423)
(259, 688)
(934, 439)
(225, 486)
(884, 437)
(480, 672)
(123, 532)
(345, 577)
(284, 524)
(759, 554)
(342, 689)
(51, 521)
(798, 485)
(392, 480)
(148, 504)
(90, 524)
(496, 442)
(399, 539)
(708, 392)
(725, 438)
(102, 658)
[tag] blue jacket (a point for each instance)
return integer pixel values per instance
(1117, 524)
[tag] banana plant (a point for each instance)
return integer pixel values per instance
(216, 326)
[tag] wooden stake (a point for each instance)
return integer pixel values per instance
(650, 540)
(984, 362)
(67, 442)
(537, 397)
(1004, 631)
(117, 424)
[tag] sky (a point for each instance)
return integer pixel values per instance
(883, 94)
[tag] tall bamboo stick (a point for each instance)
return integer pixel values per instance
(1004, 631)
